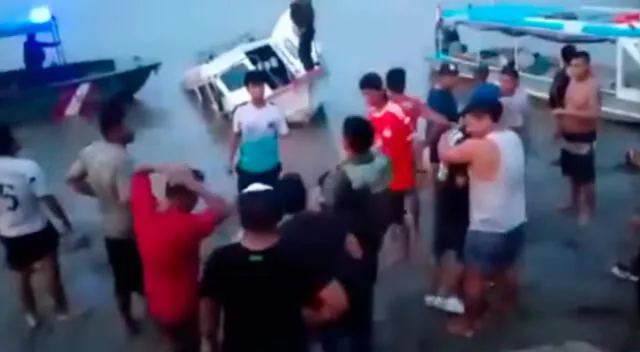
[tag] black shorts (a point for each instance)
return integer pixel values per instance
(579, 168)
(24, 251)
(125, 262)
(451, 219)
(397, 208)
(269, 177)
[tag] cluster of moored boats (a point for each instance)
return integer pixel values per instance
(216, 80)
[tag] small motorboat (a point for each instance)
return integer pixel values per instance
(63, 89)
(617, 28)
(216, 82)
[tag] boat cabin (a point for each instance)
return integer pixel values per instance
(218, 82)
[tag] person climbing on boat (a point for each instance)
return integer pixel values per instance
(303, 16)
(578, 121)
(33, 52)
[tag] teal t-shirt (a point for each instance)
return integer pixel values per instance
(259, 128)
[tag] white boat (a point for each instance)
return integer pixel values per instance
(592, 28)
(217, 81)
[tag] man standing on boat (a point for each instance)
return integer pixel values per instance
(483, 89)
(303, 16)
(578, 121)
(33, 52)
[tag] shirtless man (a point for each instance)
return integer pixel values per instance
(578, 121)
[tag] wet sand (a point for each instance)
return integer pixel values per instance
(567, 292)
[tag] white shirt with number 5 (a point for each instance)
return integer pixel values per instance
(22, 183)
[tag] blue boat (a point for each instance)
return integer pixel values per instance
(63, 88)
(608, 29)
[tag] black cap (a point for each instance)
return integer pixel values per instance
(491, 107)
(448, 69)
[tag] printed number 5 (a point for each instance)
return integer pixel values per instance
(7, 193)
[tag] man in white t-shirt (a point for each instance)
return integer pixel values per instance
(25, 230)
(257, 127)
(103, 170)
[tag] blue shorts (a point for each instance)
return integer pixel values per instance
(490, 252)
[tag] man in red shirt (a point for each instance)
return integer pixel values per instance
(394, 136)
(419, 113)
(169, 236)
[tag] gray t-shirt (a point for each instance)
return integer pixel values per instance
(515, 110)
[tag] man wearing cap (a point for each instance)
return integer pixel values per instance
(169, 243)
(441, 100)
(262, 289)
(497, 209)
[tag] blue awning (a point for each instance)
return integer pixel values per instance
(37, 20)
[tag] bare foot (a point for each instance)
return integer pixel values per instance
(461, 327)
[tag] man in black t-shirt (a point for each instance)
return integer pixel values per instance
(561, 79)
(261, 290)
(451, 224)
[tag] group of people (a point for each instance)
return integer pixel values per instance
(298, 276)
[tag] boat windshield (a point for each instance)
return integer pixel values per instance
(233, 78)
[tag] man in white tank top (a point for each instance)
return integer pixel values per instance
(496, 208)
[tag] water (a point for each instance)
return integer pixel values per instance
(357, 36)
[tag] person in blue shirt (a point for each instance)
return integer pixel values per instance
(257, 126)
(442, 101)
(33, 52)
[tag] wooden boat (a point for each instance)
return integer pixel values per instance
(63, 88)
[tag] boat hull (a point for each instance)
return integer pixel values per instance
(41, 101)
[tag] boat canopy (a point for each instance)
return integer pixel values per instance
(558, 24)
(37, 20)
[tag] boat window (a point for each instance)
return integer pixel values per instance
(631, 71)
(233, 78)
(266, 59)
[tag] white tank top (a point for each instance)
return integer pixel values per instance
(499, 205)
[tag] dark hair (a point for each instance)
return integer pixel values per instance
(111, 115)
(254, 78)
(372, 81)
(583, 55)
(396, 80)
(485, 106)
(293, 193)
(510, 71)
(259, 211)
(175, 190)
(568, 52)
(358, 133)
(7, 141)
(482, 72)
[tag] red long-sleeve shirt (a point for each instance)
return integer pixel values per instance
(169, 244)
